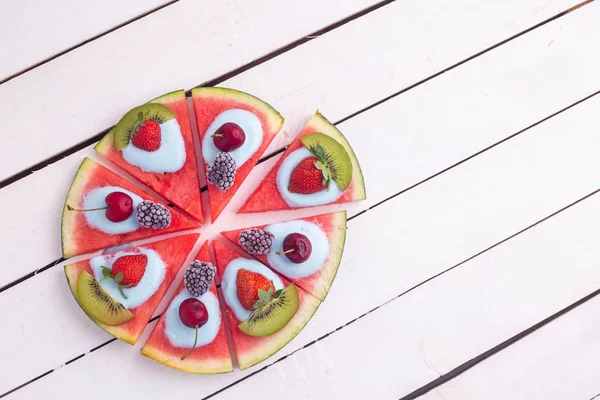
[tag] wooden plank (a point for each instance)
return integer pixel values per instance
(297, 91)
(425, 333)
(560, 361)
(84, 92)
(34, 31)
(425, 231)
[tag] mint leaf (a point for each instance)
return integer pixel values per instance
(107, 273)
(119, 277)
(278, 293)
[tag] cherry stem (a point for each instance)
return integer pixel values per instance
(193, 347)
(218, 135)
(285, 252)
(91, 209)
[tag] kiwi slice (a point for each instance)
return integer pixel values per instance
(128, 126)
(333, 155)
(275, 312)
(98, 304)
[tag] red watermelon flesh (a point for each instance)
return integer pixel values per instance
(79, 237)
(182, 187)
(267, 196)
(173, 252)
(318, 283)
(251, 350)
(208, 104)
(211, 358)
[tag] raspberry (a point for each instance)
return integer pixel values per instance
(221, 172)
(198, 277)
(152, 215)
(256, 241)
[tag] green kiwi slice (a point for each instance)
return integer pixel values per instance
(274, 312)
(98, 304)
(128, 126)
(333, 155)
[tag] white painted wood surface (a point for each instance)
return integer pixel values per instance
(33, 31)
(430, 228)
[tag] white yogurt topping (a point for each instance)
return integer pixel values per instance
(97, 219)
(229, 286)
(318, 240)
(251, 126)
(169, 157)
(138, 294)
(299, 199)
(180, 335)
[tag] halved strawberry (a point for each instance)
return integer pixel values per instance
(127, 271)
(309, 176)
(147, 136)
(247, 285)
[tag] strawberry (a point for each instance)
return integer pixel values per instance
(127, 271)
(147, 136)
(248, 284)
(309, 176)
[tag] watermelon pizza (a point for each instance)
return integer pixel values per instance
(257, 292)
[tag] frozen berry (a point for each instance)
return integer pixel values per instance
(221, 172)
(256, 241)
(229, 137)
(198, 277)
(153, 215)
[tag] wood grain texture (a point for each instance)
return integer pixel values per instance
(87, 90)
(298, 91)
(557, 362)
(425, 231)
(33, 31)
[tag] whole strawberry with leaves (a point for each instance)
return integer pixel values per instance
(312, 174)
(147, 134)
(127, 271)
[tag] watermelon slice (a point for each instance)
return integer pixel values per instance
(181, 187)
(216, 106)
(268, 197)
(251, 350)
(316, 274)
(79, 236)
(211, 358)
(172, 252)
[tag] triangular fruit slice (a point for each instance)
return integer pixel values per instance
(235, 129)
(154, 144)
(120, 291)
(319, 167)
(88, 225)
(306, 251)
(174, 343)
(281, 310)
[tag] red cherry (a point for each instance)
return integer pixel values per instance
(229, 137)
(193, 313)
(119, 206)
(297, 247)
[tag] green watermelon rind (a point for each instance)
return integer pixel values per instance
(73, 196)
(275, 119)
(326, 127)
(336, 253)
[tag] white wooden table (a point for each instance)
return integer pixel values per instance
(470, 273)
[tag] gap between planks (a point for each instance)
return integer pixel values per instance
(458, 370)
(216, 81)
(275, 153)
(210, 83)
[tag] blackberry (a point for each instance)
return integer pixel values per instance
(256, 241)
(221, 172)
(152, 215)
(198, 277)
